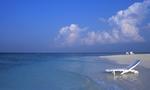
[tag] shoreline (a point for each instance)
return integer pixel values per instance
(127, 59)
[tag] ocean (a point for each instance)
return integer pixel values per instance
(65, 71)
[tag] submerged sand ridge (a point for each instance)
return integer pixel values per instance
(127, 59)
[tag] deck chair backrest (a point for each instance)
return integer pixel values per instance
(133, 65)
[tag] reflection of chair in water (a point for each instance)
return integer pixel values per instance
(130, 77)
(128, 69)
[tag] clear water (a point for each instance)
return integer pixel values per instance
(65, 72)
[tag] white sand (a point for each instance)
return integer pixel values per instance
(127, 59)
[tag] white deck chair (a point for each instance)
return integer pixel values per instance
(129, 68)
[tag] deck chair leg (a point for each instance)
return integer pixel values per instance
(114, 73)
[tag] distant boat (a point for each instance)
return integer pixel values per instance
(129, 53)
(129, 68)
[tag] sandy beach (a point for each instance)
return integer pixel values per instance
(127, 81)
(127, 59)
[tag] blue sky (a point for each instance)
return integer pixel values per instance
(74, 25)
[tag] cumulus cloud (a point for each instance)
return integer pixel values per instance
(127, 21)
(68, 35)
(101, 37)
(125, 28)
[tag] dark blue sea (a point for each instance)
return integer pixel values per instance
(60, 71)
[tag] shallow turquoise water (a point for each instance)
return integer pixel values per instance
(64, 72)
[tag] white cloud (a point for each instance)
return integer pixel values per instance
(100, 37)
(125, 28)
(127, 21)
(68, 35)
